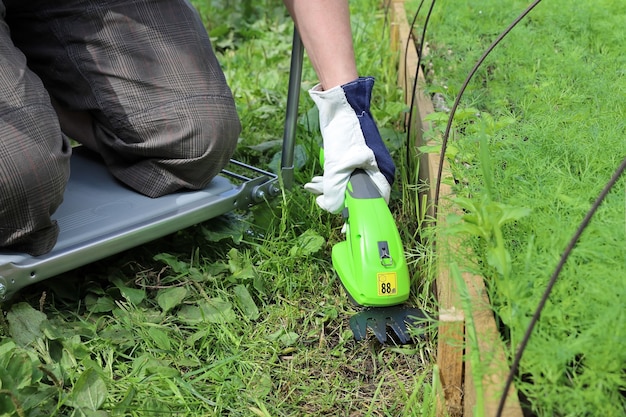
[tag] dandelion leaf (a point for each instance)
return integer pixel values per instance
(25, 323)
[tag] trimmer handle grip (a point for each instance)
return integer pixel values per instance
(361, 186)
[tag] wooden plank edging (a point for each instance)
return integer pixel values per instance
(459, 390)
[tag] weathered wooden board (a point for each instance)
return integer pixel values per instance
(459, 390)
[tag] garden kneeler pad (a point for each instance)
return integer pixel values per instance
(99, 216)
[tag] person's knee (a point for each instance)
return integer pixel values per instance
(208, 132)
(184, 144)
(205, 142)
(35, 166)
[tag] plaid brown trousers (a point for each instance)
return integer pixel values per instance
(164, 117)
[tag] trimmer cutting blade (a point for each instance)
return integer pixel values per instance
(382, 319)
(371, 264)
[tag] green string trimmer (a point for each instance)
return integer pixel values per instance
(371, 264)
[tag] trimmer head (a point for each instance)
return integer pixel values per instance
(371, 264)
(382, 319)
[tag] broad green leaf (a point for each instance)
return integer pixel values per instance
(99, 304)
(284, 338)
(265, 111)
(126, 402)
(219, 31)
(148, 365)
(41, 398)
(171, 297)
(217, 310)
(393, 140)
(73, 351)
(89, 392)
(513, 213)
(246, 303)
(241, 269)
(224, 227)
(430, 149)
(466, 114)
(330, 313)
(177, 266)
(17, 372)
(440, 117)
(467, 204)
(214, 311)
(163, 371)
(307, 243)
(56, 330)
(274, 336)
(289, 339)
(160, 338)
(134, 295)
(7, 408)
(6, 346)
(118, 335)
(463, 224)
(310, 120)
(25, 323)
(190, 314)
(260, 386)
(300, 158)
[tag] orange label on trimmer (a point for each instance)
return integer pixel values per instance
(387, 283)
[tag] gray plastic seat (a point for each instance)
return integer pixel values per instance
(100, 217)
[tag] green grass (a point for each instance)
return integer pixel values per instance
(557, 84)
(240, 316)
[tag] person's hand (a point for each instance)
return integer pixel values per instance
(351, 140)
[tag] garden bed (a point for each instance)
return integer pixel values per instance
(539, 133)
(459, 391)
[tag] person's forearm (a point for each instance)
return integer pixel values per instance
(324, 27)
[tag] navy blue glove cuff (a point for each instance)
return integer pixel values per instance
(359, 93)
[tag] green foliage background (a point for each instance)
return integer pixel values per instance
(556, 87)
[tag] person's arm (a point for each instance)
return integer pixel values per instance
(324, 26)
(350, 135)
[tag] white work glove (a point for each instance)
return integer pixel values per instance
(351, 141)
